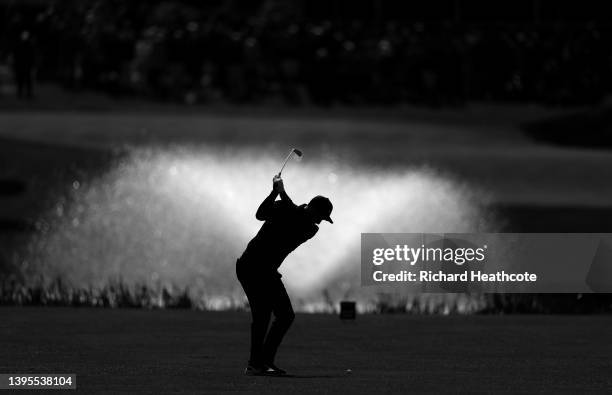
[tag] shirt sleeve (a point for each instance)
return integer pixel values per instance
(271, 208)
(311, 232)
(265, 209)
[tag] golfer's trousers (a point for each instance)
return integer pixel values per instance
(266, 295)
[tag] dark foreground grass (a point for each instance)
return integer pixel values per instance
(164, 351)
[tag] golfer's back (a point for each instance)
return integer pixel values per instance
(286, 226)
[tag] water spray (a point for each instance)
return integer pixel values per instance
(178, 218)
(293, 151)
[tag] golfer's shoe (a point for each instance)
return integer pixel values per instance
(276, 369)
(263, 371)
(254, 370)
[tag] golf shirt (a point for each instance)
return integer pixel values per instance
(286, 226)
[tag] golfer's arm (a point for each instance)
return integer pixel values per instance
(286, 199)
(266, 207)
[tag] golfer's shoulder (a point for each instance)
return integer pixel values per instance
(311, 230)
(285, 205)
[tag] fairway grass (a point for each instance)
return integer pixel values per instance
(163, 351)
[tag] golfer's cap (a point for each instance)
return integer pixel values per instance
(323, 206)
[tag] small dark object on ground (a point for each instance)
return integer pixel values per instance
(348, 310)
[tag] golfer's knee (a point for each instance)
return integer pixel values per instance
(259, 321)
(286, 318)
(261, 317)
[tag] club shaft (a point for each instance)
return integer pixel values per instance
(285, 162)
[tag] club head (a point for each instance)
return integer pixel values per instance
(298, 152)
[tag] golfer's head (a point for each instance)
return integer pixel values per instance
(320, 209)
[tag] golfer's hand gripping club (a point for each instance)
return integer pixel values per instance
(277, 184)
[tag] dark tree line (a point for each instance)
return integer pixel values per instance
(270, 50)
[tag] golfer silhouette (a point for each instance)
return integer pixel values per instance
(285, 227)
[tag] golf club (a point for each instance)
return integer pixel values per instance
(293, 150)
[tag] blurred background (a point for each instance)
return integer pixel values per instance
(137, 139)
(363, 52)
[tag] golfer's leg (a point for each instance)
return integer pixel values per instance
(259, 326)
(283, 317)
(260, 312)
